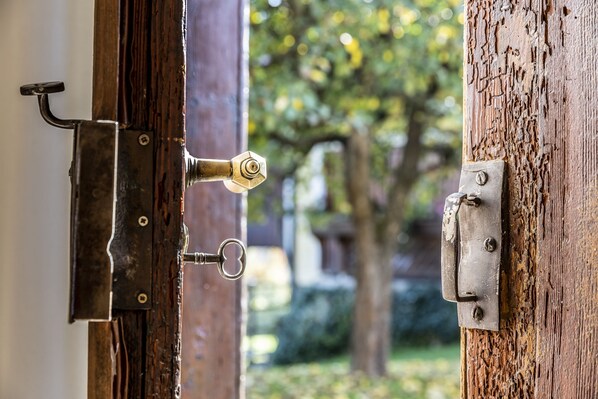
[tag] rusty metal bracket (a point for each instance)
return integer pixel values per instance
(472, 241)
(111, 213)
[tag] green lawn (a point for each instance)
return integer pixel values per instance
(414, 373)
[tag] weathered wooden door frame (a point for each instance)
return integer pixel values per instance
(531, 72)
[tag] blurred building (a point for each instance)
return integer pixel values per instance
(322, 246)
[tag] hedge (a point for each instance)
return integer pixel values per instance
(318, 324)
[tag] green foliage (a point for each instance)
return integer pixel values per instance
(413, 374)
(319, 322)
(328, 68)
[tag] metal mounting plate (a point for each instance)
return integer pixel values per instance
(92, 209)
(131, 246)
(479, 268)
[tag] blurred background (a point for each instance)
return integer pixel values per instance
(357, 104)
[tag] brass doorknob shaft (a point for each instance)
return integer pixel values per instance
(241, 173)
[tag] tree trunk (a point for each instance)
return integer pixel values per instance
(376, 243)
(371, 329)
(531, 100)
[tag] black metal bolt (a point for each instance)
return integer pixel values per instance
(481, 178)
(490, 244)
(478, 313)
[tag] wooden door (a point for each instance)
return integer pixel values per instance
(139, 80)
(159, 66)
(531, 78)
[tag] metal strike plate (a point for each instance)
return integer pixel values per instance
(131, 245)
(472, 244)
(92, 209)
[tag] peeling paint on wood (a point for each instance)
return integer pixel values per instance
(531, 78)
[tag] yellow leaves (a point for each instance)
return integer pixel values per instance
(352, 47)
(297, 104)
(317, 75)
(406, 16)
(383, 20)
(338, 17)
(398, 31)
(444, 33)
(410, 378)
(283, 102)
(388, 56)
(302, 49)
(251, 127)
(257, 17)
(312, 34)
(373, 103)
(289, 40)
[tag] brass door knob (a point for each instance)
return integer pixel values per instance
(241, 173)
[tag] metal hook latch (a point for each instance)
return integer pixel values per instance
(450, 246)
(471, 245)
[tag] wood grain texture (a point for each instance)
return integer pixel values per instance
(567, 278)
(530, 89)
(150, 95)
(216, 118)
(103, 354)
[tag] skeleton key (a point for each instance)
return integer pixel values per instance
(200, 258)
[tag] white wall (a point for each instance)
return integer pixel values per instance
(41, 355)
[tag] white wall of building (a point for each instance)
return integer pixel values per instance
(41, 355)
(310, 189)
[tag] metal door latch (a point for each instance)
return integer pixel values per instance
(472, 244)
(112, 175)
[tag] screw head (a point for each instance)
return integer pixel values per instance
(481, 177)
(143, 221)
(143, 139)
(490, 244)
(477, 313)
(142, 297)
